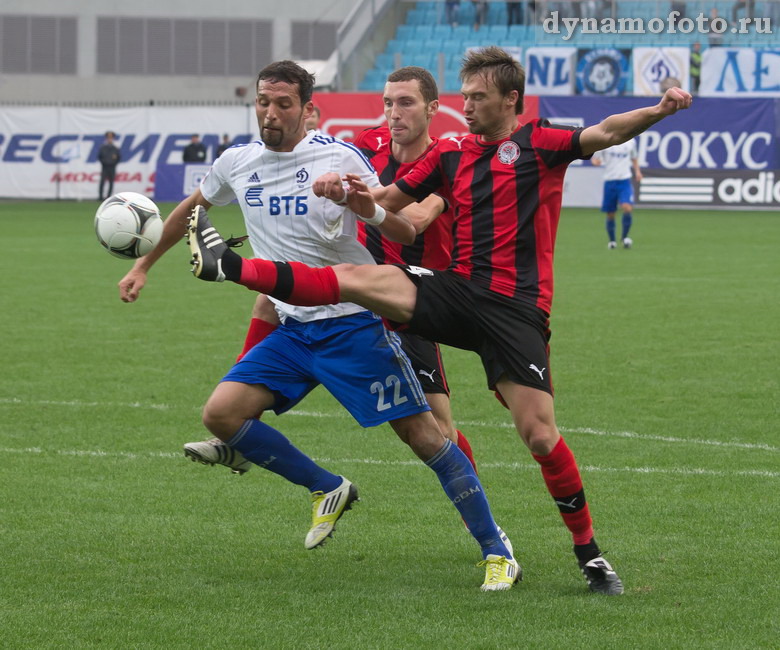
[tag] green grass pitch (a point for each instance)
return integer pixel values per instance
(665, 361)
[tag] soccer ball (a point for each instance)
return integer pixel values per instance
(128, 225)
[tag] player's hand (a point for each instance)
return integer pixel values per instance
(355, 182)
(674, 99)
(130, 285)
(359, 197)
(638, 176)
(329, 186)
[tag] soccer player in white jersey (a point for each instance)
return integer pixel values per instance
(342, 346)
(619, 161)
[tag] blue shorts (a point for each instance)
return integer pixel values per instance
(360, 363)
(615, 193)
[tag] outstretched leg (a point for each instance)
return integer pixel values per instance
(383, 289)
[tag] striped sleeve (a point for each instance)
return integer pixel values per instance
(425, 179)
(556, 144)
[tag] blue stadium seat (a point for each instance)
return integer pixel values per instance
(496, 32)
(462, 32)
(422, 59)
(517, 32)
(509, 42)
(374, 80)
(439, 63)
(385, 72)
(452, 81)
(415, 17)
(414, 45)
(455, 60)
(471, 43)
(394, 45)
(384, 60)
(404, 32)
(496, 13)
(451, 46)
(435, 16)
(423, 32)
(442, 32)
(466, 14)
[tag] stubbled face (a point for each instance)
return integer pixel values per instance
(485, 109)
(406, 112)
(280, 115)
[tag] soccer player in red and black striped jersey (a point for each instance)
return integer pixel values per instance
(411, 100)
(506, 183)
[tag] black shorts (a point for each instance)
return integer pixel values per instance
(426, 362)
(510, 336)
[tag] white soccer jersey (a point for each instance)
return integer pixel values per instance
(284, 219)
(617, 160)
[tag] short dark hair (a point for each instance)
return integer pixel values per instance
(428, 87)
(289, 72)
(503, 70)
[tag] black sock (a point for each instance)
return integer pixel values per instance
(231, 265)
(586, 552)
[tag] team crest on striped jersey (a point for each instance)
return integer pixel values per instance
(508, 152)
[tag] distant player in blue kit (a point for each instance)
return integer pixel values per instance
(342, 346)
(619, 161)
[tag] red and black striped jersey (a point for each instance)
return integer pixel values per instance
(507, 198)
(432, 248)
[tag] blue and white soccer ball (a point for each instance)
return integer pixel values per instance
(128, 225)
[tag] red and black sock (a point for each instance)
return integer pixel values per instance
(562, 476)
(292, 282)
(258, 330)
(465, 447)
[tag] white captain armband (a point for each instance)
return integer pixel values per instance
(377, 219)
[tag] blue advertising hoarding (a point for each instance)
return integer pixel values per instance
(717, 134)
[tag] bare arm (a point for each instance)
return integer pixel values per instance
(621, 127)
(174, 229)
(637, 173)
(391, 198)
(396, 226)
(362, 201)
(423, 214)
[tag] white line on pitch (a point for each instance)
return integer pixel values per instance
(466, 423)
(680, 471)
(631, 434)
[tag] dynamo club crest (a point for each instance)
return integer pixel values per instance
(603, 71)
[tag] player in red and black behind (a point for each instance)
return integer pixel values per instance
(433, 246)
(411, 100)
(506, 183)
